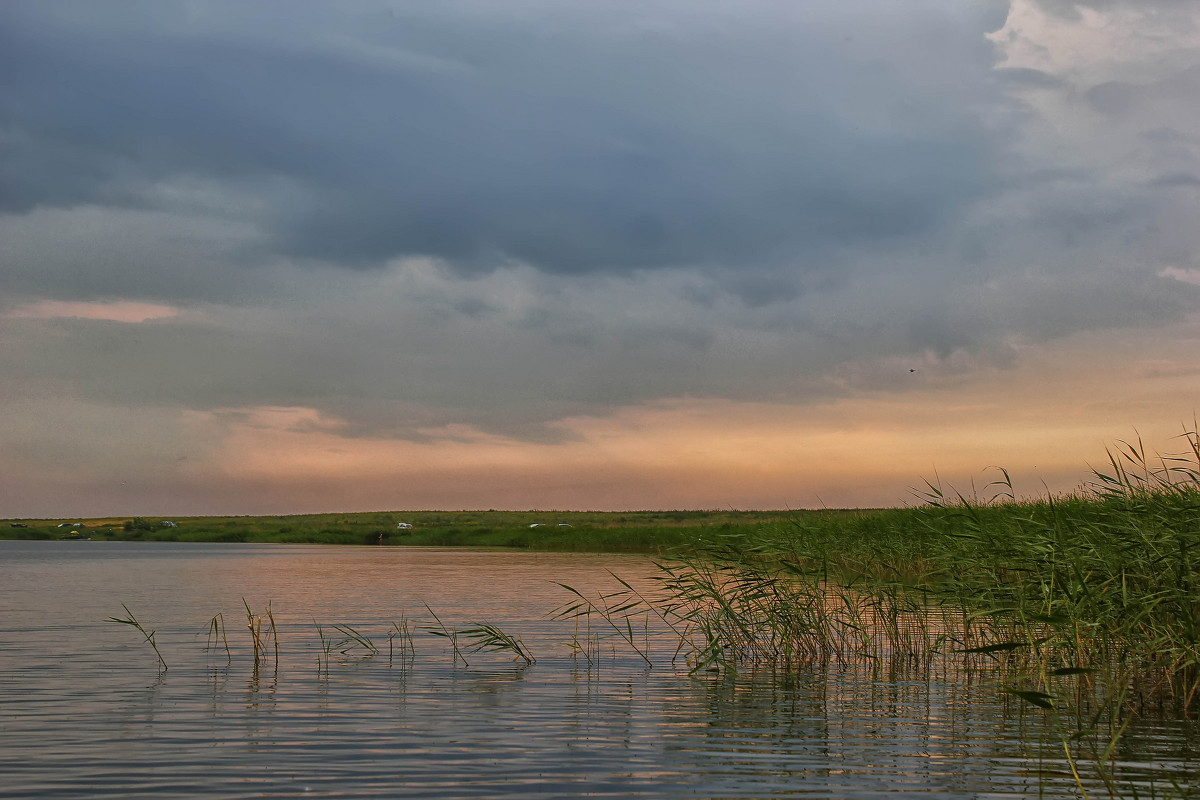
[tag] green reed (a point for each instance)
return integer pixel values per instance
(481, 637)
(132, 621)
(439, 629)
(618, 610)
(484, 637)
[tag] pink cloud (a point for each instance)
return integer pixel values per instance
(1185, 275)
(114, 311)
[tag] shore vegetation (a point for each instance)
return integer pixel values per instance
(581, 531)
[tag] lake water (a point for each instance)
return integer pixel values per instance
(85, 710)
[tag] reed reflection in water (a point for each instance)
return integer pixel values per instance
(85, 710)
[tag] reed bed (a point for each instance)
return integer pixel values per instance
(1086, 607)
(1104, 582)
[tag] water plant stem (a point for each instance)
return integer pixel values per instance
(131, 620)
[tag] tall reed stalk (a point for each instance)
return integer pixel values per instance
(259, 635)
(402, 630)
(326, 648)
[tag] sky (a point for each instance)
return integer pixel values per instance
(290, 257)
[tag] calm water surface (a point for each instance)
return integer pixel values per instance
(86, 712)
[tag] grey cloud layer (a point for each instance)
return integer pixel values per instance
(574, 138)
(506, 213)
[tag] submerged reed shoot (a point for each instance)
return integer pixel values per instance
(354, 642)
(439, 629)
(326, 648)
(489, 637)
(216, 633)
(589, 645)
(130, 620)
(618, 610)
(401, 630)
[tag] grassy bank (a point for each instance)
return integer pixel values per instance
(643, 531)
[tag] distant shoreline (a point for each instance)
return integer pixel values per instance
(594, 531)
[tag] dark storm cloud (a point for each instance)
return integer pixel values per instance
(572, 138)
(501, 214)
